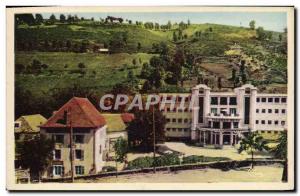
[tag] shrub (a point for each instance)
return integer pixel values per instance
(166, 160)
(197, 159)
(141, 162)
(109, 169)
(146, 162)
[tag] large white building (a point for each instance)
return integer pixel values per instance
(222, 118)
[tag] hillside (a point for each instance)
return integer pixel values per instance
(69, 58)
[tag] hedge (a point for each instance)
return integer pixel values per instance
(146, 162)
(198, 159)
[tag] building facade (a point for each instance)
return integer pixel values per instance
(88, 141)
(223, 118)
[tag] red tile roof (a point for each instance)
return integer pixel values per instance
(127, 117)
(81, 112)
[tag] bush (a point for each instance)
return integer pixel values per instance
(109, 169)
(198, 159)
(146, 162)
(141, 162)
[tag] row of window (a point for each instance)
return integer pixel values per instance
(223, 101)
(223, 111)
(179, 120)
(178, 129)
(59, 138)
(271, 99)
(175, 109)
(270, 122)
(275, 132)
(79, 154)
(59, 170)
(276, 111)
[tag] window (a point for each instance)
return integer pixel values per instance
(79, 139)
(262, 131)
(168, 129)
(216, 125)
(59, 139)
(100, 149)
(263, 99)
(168, 120)
(257, 99)
(214, 101)
(263, 111)
(174, 120)
(232, 111)
(269, 111)
(283, 100)
(276, 122)
(269, 131)
(17, 125)
(269, 122)
(180, 120)
(57, 154)
(58, 170)
(79, 154)
(257, 110)
(214, 110)
(276, 132)
(174, 129)
(223, 101)
(263, 122)
(226, 125)
(276, 111)
(186, 120)
(257, 122)
(276, 100)
(282, 123)
(283, 111)
(232, 101)
(235, 125)
(270, 100)
(79, 170)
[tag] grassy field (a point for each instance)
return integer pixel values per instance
(103, 71)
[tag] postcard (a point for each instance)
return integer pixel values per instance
(150, 98)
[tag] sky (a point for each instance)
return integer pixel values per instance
(275, 21)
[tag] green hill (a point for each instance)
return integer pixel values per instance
(60, 48)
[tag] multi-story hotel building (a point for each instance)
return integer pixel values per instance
(222, 118)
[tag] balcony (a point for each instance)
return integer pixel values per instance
(223, 116)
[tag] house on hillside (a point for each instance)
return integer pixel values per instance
(89, 135)
(26, 127)
(115, 128)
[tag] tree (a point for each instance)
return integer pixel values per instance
(139, 46)
(280, 37)
(62, 18)
(24, 18)
(252, 24)
(39, 19)
(52, 19)
(261, 34)
(81, 65)
(253, 142)
(19, 68)
(189, 22)
(140, 130)
(174, 37)
(280, 152)
(36, 154)
(134, 61)
(121, 149)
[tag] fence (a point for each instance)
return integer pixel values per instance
(223, 165)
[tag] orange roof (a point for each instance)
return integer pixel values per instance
(81, 113)
(127, 117)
